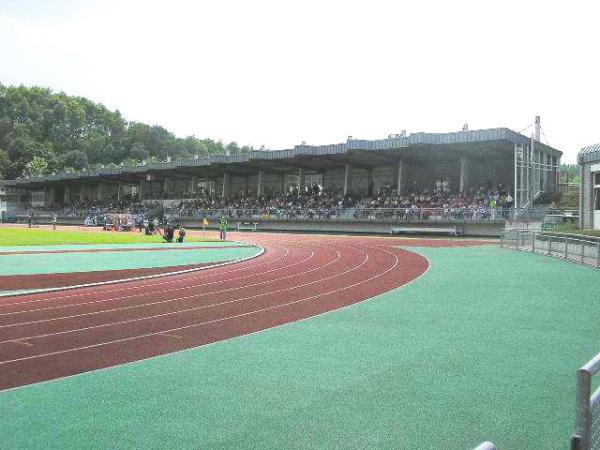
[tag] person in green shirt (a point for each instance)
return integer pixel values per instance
(223, 228)
(492, 208)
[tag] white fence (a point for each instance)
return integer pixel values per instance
(579, 248)
(587, 434)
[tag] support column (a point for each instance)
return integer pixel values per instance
(399, 179)
(66, 196)
(141, 189)
(226, 185)
(81, 192)
(545, 169)
(464, 173)
(192, 185)
(119, 190)
(165, 185)
(301, 181)
(346, 179)
(51, 195)
(100, 191)
(259, 187)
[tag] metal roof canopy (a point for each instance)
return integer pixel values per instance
(497, 142)
(589, 154)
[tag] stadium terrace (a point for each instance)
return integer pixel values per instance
(448, 171)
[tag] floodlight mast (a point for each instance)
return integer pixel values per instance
(538, 128)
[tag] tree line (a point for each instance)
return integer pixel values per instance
(42, 132)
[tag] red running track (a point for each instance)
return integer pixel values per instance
(52, 335)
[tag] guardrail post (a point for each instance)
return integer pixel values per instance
(566, 247)
(576, 442)
(549, 245)
(582, 251)
(583, 410)
(533, 241)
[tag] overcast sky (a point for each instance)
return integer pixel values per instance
(277, 73)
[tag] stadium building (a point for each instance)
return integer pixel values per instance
(13, 199)
(459, 162)
(589, 192)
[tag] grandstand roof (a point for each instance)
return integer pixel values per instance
(484, 143)
(589, 154)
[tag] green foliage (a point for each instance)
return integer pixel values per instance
(12, 236)
(569, 200)
(36, 166)
(74, 133)
(569, 173)
(4, 164)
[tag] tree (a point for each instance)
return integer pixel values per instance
(71, 132)
(75, 159)
(232, 148)
(138, 152)
(37, 166)
(4, 163)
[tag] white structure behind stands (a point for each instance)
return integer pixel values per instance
(589, 192)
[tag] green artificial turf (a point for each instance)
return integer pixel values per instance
(14, 236)
(483, 346)
(170, 255)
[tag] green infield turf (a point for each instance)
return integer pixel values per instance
(483, 346)
(12, 236)
(120, 258)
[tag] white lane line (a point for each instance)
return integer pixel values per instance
(242, 336)
(142, 286)
(142, 294)
(166, 290)
(196, 277)
(222, 319)
(338, 257)
(145, 286)
(25, 292)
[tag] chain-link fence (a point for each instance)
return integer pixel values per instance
(579, 248)
(587, 434)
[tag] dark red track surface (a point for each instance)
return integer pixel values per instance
(47, 336)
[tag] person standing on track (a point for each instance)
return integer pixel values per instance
(181, 234)
(54, 219)
(223, 228)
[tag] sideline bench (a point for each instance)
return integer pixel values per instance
(247, 226)
(450, 231)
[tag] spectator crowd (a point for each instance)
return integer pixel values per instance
(489, 202)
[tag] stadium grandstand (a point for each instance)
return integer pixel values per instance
(478, 178)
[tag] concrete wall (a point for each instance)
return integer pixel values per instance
(586, 197)
(474, 229)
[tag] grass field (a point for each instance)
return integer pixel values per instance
(13, 236)
(483, 346)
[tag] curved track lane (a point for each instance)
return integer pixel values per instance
(47, 336)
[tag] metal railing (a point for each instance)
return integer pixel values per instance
(392, 215)
(587, 433)
(487, 445)
(574, 247)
